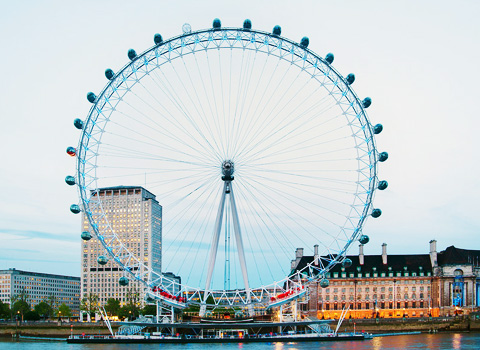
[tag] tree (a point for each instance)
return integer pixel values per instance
(64, 310)
(89, 304)
(53, 303)
(32, 315)
(112, 307)
(133, 303)
(43, 309)
(4, 310)
(149, 310)
(20, 303)
(20, 307)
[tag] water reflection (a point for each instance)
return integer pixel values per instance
(457, 341)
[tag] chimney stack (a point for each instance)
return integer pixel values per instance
(360, 254)
(433, 253)
(384, 253)
(298, 256)
(315, 254)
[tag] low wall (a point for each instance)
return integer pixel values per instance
(439, 324)
(53, 329)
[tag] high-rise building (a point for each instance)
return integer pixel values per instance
(40, 287)
(136, 218)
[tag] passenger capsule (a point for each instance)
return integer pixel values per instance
(382, 185)
(71, 151)
(304, 42)
(78, 123)
(247, 24)
(324, 283)
(350, 78)
(74, 208)
(364, 239)
(377, 129)
(70, 180)
(123, 281)
(91, 97)
(367, 101)
(157, 39)
(216, 24)
(102, 260)
(132, 54)
(277, 30)
(376, 213)
(86, 236)
(383, 156)
(347, 263)
(109, 74)
(329, 58)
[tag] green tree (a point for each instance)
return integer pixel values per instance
(4, 310)
(43, 309)
(89, 304)
(32, 315)
(20, 303)
(112, 307)
(20, 307)
(64, 310)
(149, 310)
(53, 303)
(133, 303)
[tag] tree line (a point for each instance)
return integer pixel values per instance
(20, 308)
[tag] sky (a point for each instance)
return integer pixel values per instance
(418, 61)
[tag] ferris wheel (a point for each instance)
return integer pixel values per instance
(253, 144)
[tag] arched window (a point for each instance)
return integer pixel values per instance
(458, 272)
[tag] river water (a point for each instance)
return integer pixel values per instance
(418, 341)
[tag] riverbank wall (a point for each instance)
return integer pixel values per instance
(53, 329)
(438, 324)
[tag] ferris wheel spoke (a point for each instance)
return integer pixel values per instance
(244, 131)
(200, 109)
(257, 224)
(288, 130)
(170, 92)
(188, 226)
(307, 188)
(172, 136)
(268, 143)
(126, 152)
(297, 202)
(211, 139)
(276, 227)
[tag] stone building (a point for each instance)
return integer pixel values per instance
(391, 286)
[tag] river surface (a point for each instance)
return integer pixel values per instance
(418, 341)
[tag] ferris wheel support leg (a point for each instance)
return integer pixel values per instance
(241, 252)
(214, 248)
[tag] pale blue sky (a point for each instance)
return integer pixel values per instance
(417, 60)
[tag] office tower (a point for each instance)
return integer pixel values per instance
(136, 217)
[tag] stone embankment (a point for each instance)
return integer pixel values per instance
(435, 324)
(439, 324)
(53, 329)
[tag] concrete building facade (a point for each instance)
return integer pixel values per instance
(39, 287)
(136, 217)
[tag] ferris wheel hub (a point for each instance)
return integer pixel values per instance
(227, 170)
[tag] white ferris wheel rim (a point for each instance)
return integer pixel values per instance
(213, 39)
